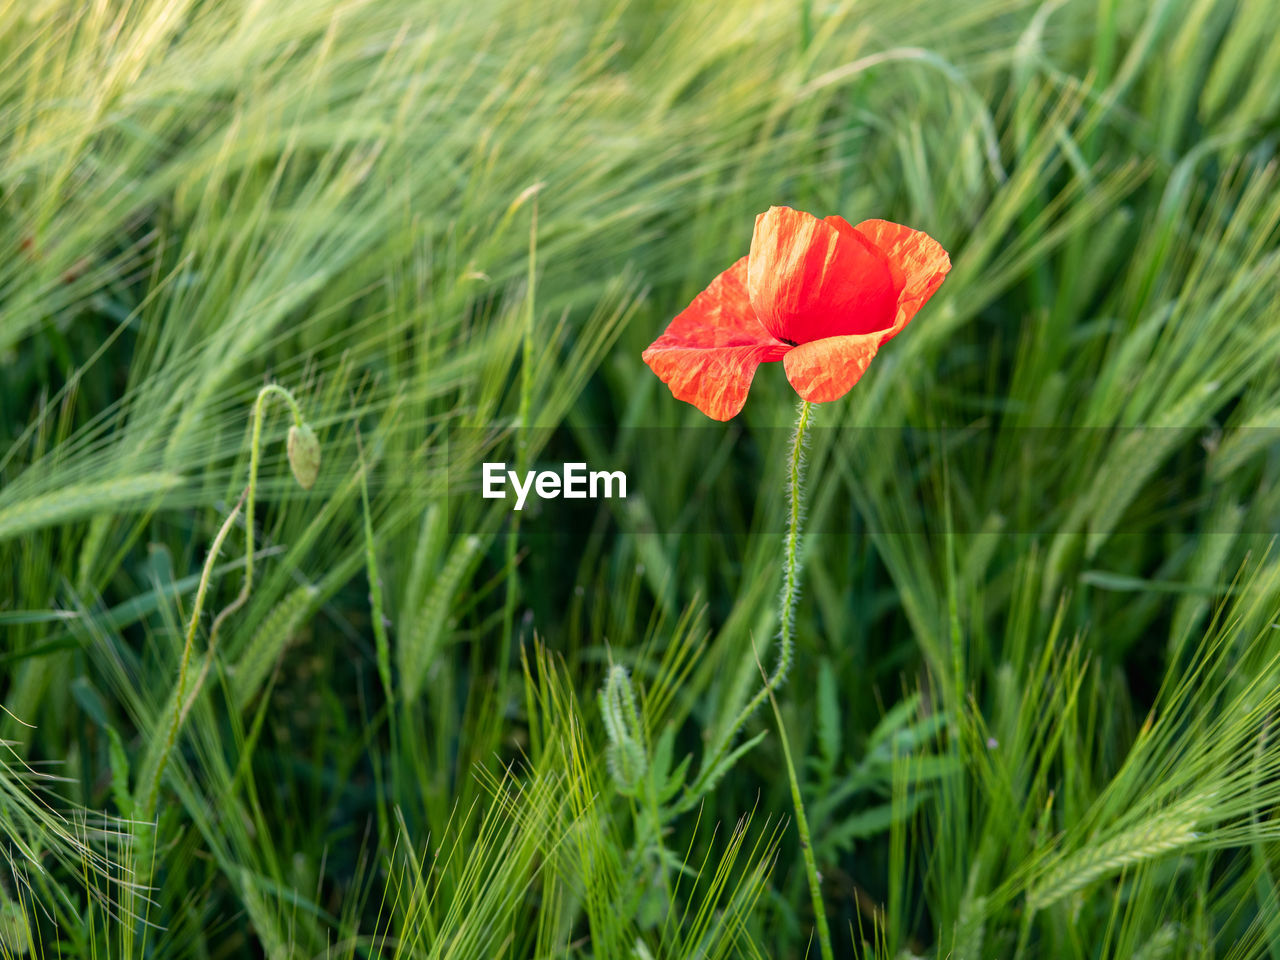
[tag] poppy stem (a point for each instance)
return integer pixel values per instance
(255, 451)
(716, 763)
(786, 618)
(184, 700)
(791, 561)
(148, 811)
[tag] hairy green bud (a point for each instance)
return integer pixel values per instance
(304, 455)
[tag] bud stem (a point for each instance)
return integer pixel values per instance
(246, 498)
(255, 452)
(179, 709)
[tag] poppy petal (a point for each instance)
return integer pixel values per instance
(825, 370)
(810, 280)
(709, 353)
(919, 258)
(849, 231)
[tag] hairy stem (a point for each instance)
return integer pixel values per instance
(255, 453)
(791, 561)
(786, 616)
(787, 606)
(179, 710)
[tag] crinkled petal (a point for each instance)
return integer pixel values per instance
(850, 232)
(826, 370)
(709, 353)
(809, 280)
(920, 260)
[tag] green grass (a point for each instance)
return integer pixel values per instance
(1037, 669)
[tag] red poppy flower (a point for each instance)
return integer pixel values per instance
(819, 295)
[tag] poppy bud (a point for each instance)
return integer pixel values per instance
(304, 455)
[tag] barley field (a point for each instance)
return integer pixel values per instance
(279, 277)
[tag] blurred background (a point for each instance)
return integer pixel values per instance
(1036, 676)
